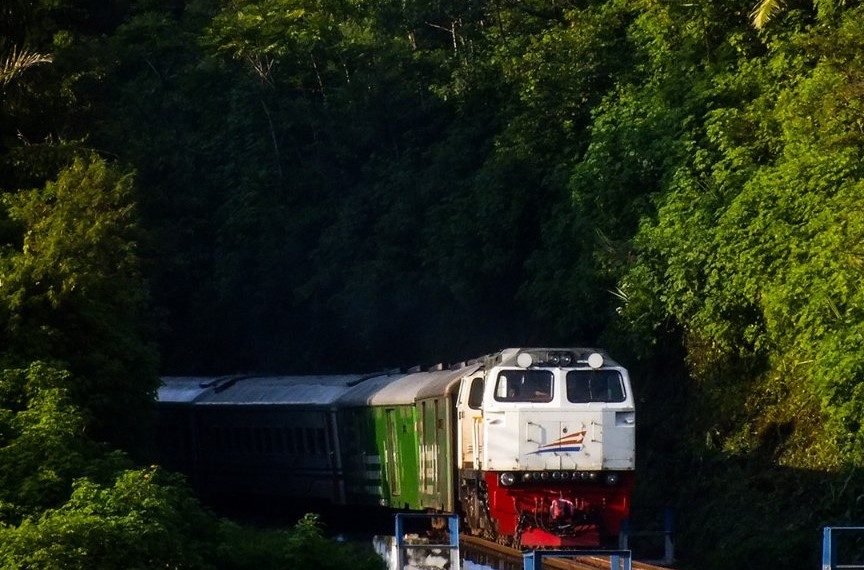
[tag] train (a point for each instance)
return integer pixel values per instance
(534, 447)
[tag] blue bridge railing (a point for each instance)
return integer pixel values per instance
(829, 548)
(429, 545)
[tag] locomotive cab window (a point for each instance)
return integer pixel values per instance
(585, 386)
(475, 395)
(524, 386)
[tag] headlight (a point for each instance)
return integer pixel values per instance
(612, 479)
(595, 360)
(625, 418)
(507, 479)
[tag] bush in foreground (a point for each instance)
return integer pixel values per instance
(148, 519)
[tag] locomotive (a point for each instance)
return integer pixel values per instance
(533, 446)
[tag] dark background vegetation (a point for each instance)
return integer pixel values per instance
(215, 186)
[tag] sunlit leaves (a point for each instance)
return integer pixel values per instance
(42, 443)
(754, 237)
(72, 291)
(764, 11)
(17, 60)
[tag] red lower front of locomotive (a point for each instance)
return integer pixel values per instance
(562, 512)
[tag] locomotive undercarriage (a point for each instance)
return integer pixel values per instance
(537, 515)
(474, 497)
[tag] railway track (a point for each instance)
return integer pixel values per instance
(578, 563)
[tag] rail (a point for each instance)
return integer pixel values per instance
(533, 560)
(582, 560)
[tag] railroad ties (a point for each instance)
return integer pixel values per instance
(507, 558)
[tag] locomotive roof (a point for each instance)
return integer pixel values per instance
(508, 355)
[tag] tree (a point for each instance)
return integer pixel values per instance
(72, 292)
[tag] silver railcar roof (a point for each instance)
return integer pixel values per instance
(183, 389)
(401, 388)
(283, 390)
(440, 382)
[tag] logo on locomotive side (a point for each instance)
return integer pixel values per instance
(572, 442)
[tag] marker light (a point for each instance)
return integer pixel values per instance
(612, 479)
(595, 360)
(524, 360)
(507, 478)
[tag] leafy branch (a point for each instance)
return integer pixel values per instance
(18, 60)
(764, 11)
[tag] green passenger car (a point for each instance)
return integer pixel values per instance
(378, 427)
(436, 409)
(397, 440)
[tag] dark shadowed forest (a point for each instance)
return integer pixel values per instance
(219, 186)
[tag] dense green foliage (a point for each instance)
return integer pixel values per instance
(77, 373)
(345, 185)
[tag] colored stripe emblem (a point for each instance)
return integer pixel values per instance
(572, 442)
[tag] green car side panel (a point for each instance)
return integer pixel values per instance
(379, 455)
(396, 434)
(361, 461)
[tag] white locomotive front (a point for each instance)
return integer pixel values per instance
(547, 445)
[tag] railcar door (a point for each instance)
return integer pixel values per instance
(470, 418)
(392, 460)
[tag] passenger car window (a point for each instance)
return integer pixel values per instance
(524, 386)
(584, 386)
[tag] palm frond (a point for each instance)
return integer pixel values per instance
(17, 61)
(764, 11)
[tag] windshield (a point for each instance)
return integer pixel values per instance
(584, 386)
(524, 386)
